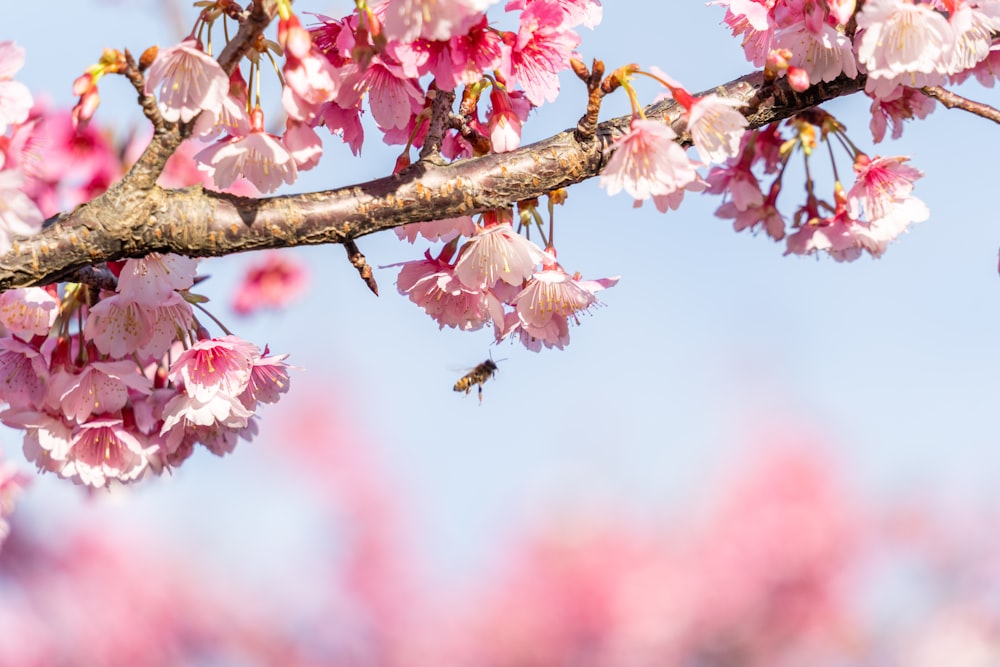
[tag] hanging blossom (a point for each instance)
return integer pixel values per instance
(496, 253)
(547, 303)
(138, 387)
(647, 161)
(257, 156)
(186, 81)
(432, 284)
(882, 192)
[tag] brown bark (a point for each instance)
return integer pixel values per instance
(135, 217)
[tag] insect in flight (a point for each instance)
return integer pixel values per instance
(477, 376)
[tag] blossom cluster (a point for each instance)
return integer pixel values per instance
(494, 279)
(388, 58)
(899, 45)
(139, 382)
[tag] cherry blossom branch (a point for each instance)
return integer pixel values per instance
(167, 136)
(955, 101)
(131, 222)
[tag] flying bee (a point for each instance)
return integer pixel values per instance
(477, 376)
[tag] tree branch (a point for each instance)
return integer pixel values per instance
(955, 101)
(131, 222)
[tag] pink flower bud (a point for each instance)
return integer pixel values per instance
(798, 79)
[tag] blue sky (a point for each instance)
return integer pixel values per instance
(711, 339)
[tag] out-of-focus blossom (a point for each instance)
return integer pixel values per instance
(19, 215)
(15, 98)
(273, 281)
(12, 482)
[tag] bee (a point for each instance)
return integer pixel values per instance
(477, 376)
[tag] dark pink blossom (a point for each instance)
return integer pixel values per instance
(540, 50)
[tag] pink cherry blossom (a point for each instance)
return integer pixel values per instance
(433, 285)
(753, 20)
(273, 281)
(754, 215)
(309, 82)
(184, 412)
(118, 326)
(258, 156)
(716, 127)
(169, 321)
(393, 97)
(553, 334)
(973, 27)
(215, 366)
(46, 437)
(891, 110)
(504, 124)
(186, 81)
(101, 387)
(303, 144)
(647, 161)
(406, 20)
(737, 182)
(15, 98)
(479, 50)
(825, 54)
(898, 41)
(879, 184)
(544, 308)
(587, 12)
(24, 373)
(230, 117)
(542, 49)
(437, 230)
(496, 254)
(346, 122)
(150, 280)
(19, 215)
(27, 312)
(103, 450)
(268, 380)
(551, 293)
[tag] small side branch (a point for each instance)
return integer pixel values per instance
(134, 73)
(359, 262)
(586, 128)
(441, 106)
(954, 101)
